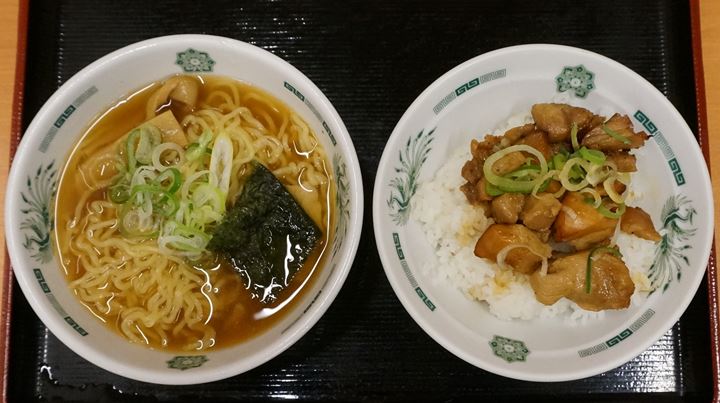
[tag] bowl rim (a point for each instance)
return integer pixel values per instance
(419, 316)
(305, 322)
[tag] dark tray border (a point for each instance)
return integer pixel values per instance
(15, 135)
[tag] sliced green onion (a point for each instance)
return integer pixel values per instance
(595, 156)
(588, 268)
(197, 150)
(573, 136)
(544, 182)
(508, 184)
(207, 194)
(558, 161)
(138, 221)
(171, 174)
(524, 172)
(623, 177)
(617, 136)
(492, 190)
(221, 162)
(140, 144)
(165, 201)
(156, 200)
(596, 200)
(565, 176)
(193, 152)
(159, 150)
(130, 149)
(598, 173)
(612, 214)
(183, 240)
(576, 171)
(120, 192)
(609, 185)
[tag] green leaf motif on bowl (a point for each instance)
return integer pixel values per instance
(194, 61)
(342, 201)
(37, 223)
(670, 255)
(576, 78)
(508, 349)
(403, 186)
(183, 362)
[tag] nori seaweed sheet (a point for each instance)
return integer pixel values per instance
(266, 234)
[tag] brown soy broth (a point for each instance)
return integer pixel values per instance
(107, 129)
(237, 316)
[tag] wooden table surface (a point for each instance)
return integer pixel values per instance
(710, 31)
(8, 50)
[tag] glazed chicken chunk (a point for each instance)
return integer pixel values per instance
(540, 211)
(523, 259)
(580, 224)
(557, 119)
(623, 161)
(506, 208)
(599, 139)
(637, 222)
(610, 287)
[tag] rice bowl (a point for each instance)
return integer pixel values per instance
(420, 229)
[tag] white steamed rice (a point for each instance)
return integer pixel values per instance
(452, 226)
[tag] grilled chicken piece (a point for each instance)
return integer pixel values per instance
(599, 139)
(637, 222)
(506, 208)
(522, 260)
(516, 133)
(480, 150)
(539, 141)
(580, 224)
(624, 161)
(509, 163)
(476, 193)
(539, 212)
(472, 171)
(610, 286)
(557, 119)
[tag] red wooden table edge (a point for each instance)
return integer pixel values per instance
(16, 126)
(703, 137)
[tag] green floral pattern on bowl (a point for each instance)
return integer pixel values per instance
(194, 61)
(342, 201)
(671, 253)
(38, 222)
(576, 78)
(404, 185)
(183, 362)
(508, 349)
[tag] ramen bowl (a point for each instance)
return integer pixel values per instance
(478, 97)
(55, 131)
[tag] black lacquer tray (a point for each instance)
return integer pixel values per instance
(371, 58)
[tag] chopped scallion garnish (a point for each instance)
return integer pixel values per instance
(617, 136)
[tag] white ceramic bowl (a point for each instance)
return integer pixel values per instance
(470, 101)
(55, 130)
